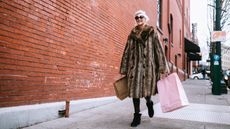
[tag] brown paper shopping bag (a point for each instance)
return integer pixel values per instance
(121, 88)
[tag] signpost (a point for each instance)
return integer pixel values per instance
(216, 88)
(217, 36)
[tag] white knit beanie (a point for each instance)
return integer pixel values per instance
(142, 13)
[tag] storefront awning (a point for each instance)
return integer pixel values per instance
(191, 47)
(194, 56)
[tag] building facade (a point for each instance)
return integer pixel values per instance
(225, 58)
(53, 51)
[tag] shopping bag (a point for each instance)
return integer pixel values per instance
(121, 88)
(171, 93)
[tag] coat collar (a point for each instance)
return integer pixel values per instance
(147, 30)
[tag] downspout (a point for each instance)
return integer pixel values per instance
(183, 49)
(169, 36)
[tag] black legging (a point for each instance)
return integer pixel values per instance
(136, 103)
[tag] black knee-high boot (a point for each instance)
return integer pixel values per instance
(137, 116)
(149, 104)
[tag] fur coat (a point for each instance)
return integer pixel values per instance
(142, 62)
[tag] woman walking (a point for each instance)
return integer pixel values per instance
(143, 62)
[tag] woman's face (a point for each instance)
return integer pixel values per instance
(140, 20)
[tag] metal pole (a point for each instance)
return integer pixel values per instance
(216, 88)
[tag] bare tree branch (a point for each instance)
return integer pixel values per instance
(225, 18)
(225, 13)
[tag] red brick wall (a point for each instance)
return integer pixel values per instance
(174, 8)
(53, 50)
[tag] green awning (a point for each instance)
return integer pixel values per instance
(191, 47)
(194, 56)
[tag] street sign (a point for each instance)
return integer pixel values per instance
(216, 57)
(218, 36)
(216, 62)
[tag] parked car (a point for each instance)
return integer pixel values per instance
(226, 78)
(208, 73)
(196, 76)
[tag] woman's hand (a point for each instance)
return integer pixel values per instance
(165, 74)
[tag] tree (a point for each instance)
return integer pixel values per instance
(225, 16)
(225, 19)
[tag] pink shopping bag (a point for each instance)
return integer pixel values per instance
(171, 93)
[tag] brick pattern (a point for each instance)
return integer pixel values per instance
(53, 50)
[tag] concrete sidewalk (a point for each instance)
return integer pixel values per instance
(206, 111)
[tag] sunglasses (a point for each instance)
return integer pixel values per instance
(137, 17)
